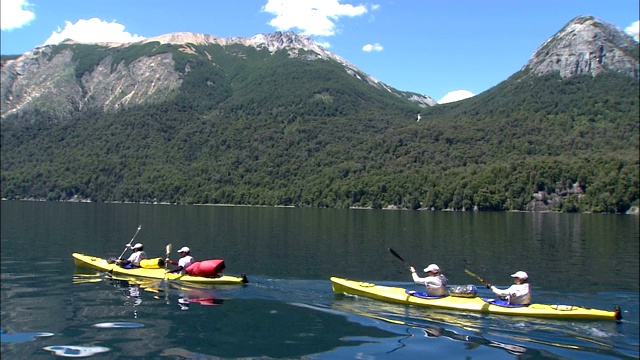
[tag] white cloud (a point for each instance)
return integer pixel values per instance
(372, 47)
(313, 17)
(15, 14)
(92, 31)
(633, 30)
(456, 95)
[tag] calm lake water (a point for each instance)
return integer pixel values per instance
(288, 310)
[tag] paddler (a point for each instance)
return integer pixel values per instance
(519, 293)
(136, 256)
(435, 282)
(185, 260)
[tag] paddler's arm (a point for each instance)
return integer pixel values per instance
(417, 279)
(498, 291)
(178, 269)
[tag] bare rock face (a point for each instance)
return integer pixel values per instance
(586, 46)
(146, 79)
(48, 82)
(34, 77)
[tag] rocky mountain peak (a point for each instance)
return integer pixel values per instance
(586, 46)
(287, 41)
(184, 38)
(273, 41)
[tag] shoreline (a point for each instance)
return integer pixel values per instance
(634, 210)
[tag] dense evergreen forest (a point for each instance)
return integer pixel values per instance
(302, 135)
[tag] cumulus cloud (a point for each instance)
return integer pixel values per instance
(372, 47)
(15, 14)
(92, 31)
(456, 95)
(313, 17)
(633, 30)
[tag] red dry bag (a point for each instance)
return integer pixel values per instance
(206, 268)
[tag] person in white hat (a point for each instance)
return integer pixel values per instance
(519, 293)
(136, 256)
(185, 260)
(435, 282)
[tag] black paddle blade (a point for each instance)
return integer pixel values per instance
(399, 257)
(396, 255)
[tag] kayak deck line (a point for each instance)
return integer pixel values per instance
(101, 264)
(474, 304)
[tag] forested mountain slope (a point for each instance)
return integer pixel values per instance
(240, 124)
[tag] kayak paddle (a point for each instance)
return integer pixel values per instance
(129, 244)
(478, 277)
(166, 280)
(399, 257)
(166, 260)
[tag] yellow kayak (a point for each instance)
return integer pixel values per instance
(158, 273)
(474, 304)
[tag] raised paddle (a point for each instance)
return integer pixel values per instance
(166, 261)
(166, 280)
(399, 257)
(479, 278)
(129, 244)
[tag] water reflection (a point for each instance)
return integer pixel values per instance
(476, 330)
(18, 337)
(132, 293)
(202, 297)
(304, 332)
(133, 288)
(429, 330)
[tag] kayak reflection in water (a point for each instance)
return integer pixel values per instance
(435, 282)
(205, 297)
(519, 293)
(132, 293)
(184, 303)
(133, 296)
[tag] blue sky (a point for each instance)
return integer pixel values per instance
(426, 46)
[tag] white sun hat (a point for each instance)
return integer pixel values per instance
(137, 246)
(432, 268)
(520, 275)
(184, 249)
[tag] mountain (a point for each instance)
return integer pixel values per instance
(75, 77)
(586, 46)
(276, 120)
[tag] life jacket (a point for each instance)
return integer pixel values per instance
(206, 268)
